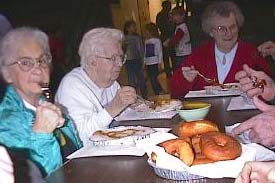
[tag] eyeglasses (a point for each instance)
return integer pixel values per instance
(27, 63)
(115, 58)
(222, 30)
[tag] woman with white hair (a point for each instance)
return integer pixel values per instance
(90, 93)
(221, 57)
(29, 124)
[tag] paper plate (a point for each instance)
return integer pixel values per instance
(122, 135)
(171, 174)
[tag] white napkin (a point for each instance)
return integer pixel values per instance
(238, 103)
(136, 149)
(202, 93)
(130, 114)
(231, 168)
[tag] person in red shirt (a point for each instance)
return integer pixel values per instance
(220, 58)
(181, 39)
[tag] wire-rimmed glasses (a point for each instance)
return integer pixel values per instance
(222, 30)
(27, 63)
(115, 58)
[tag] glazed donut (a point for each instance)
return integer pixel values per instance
(180, 148)
(219, 146)
(201, 159)
(189, 129)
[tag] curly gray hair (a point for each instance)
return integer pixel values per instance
(222, 9)
(16, 39)
(95, 40)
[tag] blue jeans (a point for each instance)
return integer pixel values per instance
(136, 77)
(153, 73)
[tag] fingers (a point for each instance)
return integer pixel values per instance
(189, 73)
(267, 48)
(262, 106)
(244, 176)
(127, 95)
(48, 118)
(246, 125)
(271, 175)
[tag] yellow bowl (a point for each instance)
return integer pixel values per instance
(192, 111)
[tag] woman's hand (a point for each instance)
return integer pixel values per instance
(261, 127)
(189, 73)
(48, 118)
(267, 48)
(245, 77)
(262, 172)
(125, 96)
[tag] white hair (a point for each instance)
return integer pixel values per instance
(96, 40)
(18, 38)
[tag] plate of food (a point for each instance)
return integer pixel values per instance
(122, 135)
(159, 103)
(223, 89)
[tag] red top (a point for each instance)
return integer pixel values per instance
(176, 38)
(203, 59)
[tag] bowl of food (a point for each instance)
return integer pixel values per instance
(194, 110)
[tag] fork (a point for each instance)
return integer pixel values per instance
(46, 90)
(208, 80)
(144, 101)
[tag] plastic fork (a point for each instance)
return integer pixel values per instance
(144, 101)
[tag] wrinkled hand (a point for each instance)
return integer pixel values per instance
(267, 48)
(261, 127)
(125, 96)
(189, 73)
(262, 172)
(48, 118)
(244, 77)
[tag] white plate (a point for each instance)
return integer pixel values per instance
(229, 88)
(141, 133)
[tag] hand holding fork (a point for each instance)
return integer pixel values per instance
(190, 73)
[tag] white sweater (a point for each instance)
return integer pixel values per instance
(85, 101)
(153, 51)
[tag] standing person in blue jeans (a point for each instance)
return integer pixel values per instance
(134, 52)
(153, 56)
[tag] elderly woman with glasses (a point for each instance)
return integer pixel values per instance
(221, 57)
(90, 93)
(28, 123)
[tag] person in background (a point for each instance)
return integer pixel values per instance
(167, 28)
(220, 58)
(29, 124)
(90, 93)
(181, 38)
(153, 56)
(134, 52)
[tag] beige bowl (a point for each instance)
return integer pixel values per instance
(194, 111)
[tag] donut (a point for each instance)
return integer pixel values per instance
(219, 146)
(180, 148)
(189, 129)
(186, 153)
(201, 159)
(172, 146)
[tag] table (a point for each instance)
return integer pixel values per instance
(120, 169)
